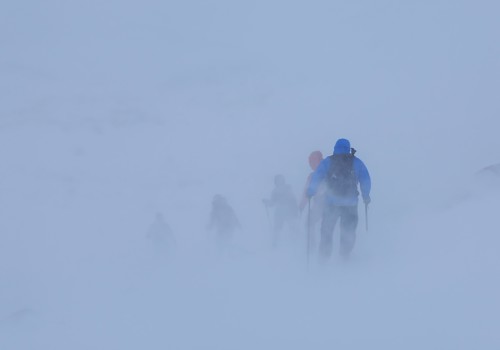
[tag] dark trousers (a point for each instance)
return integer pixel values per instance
(348, 216)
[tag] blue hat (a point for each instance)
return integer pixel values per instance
(342, 146)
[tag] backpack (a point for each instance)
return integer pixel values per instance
(341, 178)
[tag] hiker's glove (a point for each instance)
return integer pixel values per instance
(367, 200)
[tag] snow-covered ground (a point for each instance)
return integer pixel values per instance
(113, 111)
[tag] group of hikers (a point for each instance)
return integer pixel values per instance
(330, 195)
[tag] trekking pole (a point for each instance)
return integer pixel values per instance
(366, 215)
(308, 230)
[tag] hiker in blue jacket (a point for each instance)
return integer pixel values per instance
(342, 172)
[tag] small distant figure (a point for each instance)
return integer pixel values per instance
(161, 236)
(285, 207)
(317, 202)
(223, 220)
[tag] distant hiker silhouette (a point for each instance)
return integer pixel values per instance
(223, 220)
(161, 236)
(285, 207)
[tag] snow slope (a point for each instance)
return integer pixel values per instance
(110, 112)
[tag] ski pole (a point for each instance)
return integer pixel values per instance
(308, 230)
(366, 215)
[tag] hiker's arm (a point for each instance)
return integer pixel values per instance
(364, 179)
(271, 202)
(318, 176)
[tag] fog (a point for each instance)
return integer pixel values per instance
(114, 111)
